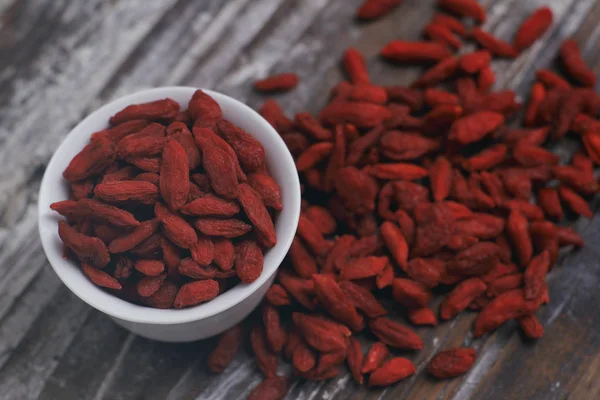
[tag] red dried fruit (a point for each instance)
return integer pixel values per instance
(421, 316)
(440, 178)
(337, 160)
(461, 296)
(375, 356)
(504, 284)
(486, 78)
(127, 191)
(175, 227)
(196, 292)
(434, 227)
(451, 23)
(203, 251)
(149, 267)
(136, 236)
(147, 143)
(90, 250)
(474, 127)
(220, 168)
(395, 335)
(535, 275)
(532, 28)
(92, 160)
(508, 305)
(211, 205)
(303, 262)
(413, 99)
(164, 109)
(180, 132)
(410, 294)
(302, 290)
(100, 278)
(551, 80)
(451, 363)
(149, 248)
(83, 189)
(373, 9)
(313, 155)
(476, 260)
(361, 114)
(149, 285)
(274, 332)
(174, 175)
(123, 268)
(322, 219)
(277, 296)
(442, 34)
(257, 214)
(402, 146)
(396, 171)
(312, 237)
(441, 71)
(303, 358)
(403, 51)
(332, 298)
(496, 46)
(272, 112)
(321, 334)
(277, 83)
(392, 371)
(575, 202)
(226, 349)
(164, 297)
(248, 150)
(357, 190)
(355, 65)
(395, 242)
(265, 358)
(229, 228)
(362, 299)
(464, 8)
(474, 62)
(574, 63)
(355, 359)
(248, 261)
(296, 142)
(531, 326)
(363, 267)
(486, 159)
(118, 132)
(568, 236)
(267, 188)
(517, 228)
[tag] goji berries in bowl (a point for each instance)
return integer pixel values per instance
(167, 218)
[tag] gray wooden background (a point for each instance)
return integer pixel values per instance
(61, 59)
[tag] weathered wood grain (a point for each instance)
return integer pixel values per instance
(61, 59)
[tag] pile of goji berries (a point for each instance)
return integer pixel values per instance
(411, 189)
(164, 217)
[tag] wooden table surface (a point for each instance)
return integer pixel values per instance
(61, 59)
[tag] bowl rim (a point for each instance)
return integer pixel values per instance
(105, 301)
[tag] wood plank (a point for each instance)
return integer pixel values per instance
(37, 354)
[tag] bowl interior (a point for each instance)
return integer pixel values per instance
(54, 188)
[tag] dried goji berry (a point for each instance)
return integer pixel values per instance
(451, 363)
(275, 83)
(392, 371)
(533, 28)
(225, 350)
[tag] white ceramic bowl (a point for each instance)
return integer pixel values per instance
(192, 323)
